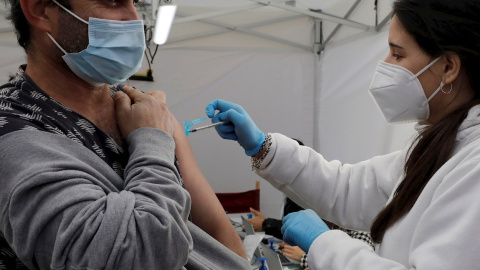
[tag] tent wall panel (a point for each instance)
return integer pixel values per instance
(350, 126)
(275, 86)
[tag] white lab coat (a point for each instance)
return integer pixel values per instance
(440, 232)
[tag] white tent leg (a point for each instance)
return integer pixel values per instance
(318, 45)
(354, 6)
(384, 22)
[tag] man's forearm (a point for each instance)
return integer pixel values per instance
(207, 212)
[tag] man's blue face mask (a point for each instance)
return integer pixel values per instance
(114, 53)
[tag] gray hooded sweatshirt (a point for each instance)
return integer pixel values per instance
(62, 207)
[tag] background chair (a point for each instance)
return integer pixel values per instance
(240, 202)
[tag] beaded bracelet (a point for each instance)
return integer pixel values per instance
(257, 161)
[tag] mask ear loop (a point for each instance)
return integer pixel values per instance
(56, 43)
(425, 68)
(442, 84)
(71, 13)
(447, 92)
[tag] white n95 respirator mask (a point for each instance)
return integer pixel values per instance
(399, 94)
(114, 53)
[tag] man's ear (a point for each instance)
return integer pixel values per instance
(39, 13)
(452, 67)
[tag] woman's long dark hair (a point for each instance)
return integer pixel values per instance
(438, 26)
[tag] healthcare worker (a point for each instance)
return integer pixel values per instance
(421, 204)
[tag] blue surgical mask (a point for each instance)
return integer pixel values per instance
(114, 53)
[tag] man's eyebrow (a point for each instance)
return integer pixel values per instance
(395, 45)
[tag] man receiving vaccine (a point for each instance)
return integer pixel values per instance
(90, 178)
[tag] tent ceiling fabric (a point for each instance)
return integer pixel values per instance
(261, 18)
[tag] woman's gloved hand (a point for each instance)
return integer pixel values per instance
(239, 127)
(302, 228)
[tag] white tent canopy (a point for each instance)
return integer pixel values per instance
(264, 57)
(264, 19)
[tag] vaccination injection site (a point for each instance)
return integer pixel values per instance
(239, 134)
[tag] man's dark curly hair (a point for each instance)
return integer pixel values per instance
(22, 27)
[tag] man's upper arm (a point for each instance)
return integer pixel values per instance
(61, 206)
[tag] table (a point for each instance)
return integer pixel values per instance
(237, 223)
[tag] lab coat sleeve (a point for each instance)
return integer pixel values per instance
(336, 250)
(62, 207)
(347, 195)
(445, 236)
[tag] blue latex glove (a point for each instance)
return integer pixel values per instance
(302, 228)
(240, 127)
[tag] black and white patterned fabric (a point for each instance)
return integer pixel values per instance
(364, 236)
(24, 106)
(303, 261)
(8, 259)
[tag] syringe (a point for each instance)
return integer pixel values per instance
(205, 127)
(188, 124)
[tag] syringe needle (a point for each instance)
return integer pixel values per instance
(205, 127)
